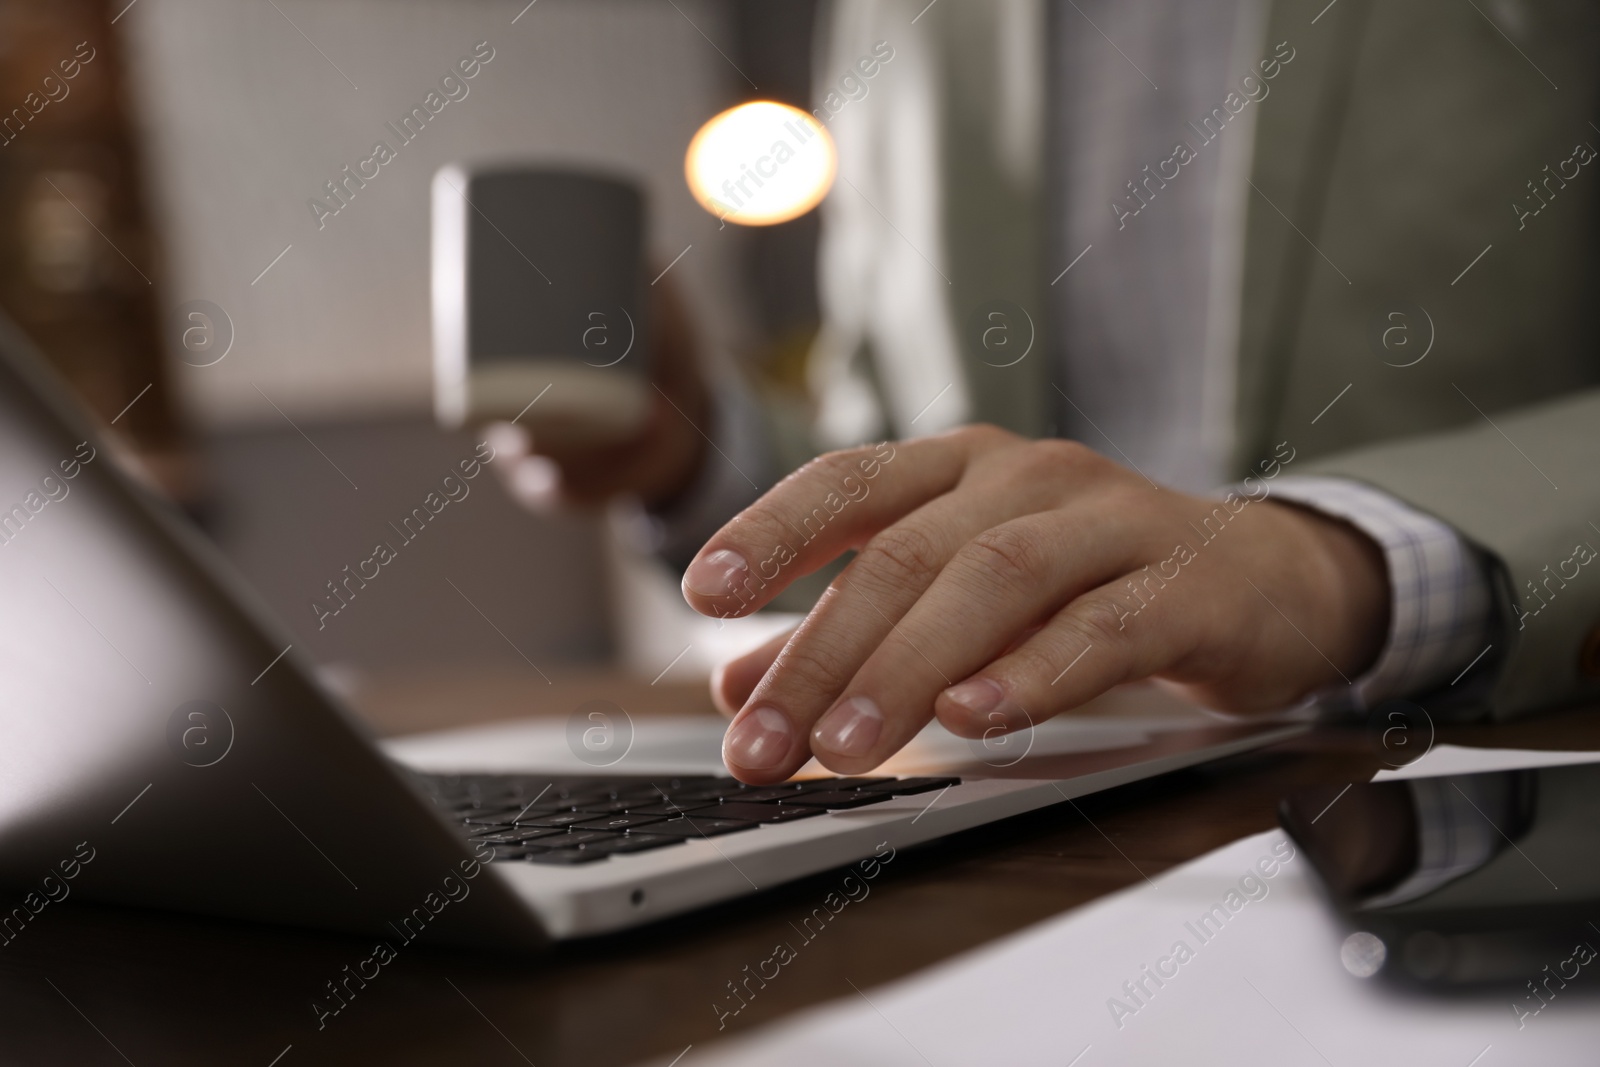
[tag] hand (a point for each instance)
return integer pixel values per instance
(656, 464)
(1001, 581)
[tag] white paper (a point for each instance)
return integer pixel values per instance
(1454, 759)
(1267, 987)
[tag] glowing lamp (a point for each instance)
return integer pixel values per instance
(760, 163)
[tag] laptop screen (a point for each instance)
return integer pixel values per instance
(158, 745)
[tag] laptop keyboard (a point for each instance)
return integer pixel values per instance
(567, 821)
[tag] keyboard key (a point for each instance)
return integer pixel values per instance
(564, 857)
(710, 793)
(555, 819)
(528, 811)
(575, 793)
(702, 786)
(517, 836)
(633, 843)
(605, 807)
(487, 817)
(503, 853)
(577, 837)
(760, 812)
(910, 787)
(770, 794)
(537, 833)
(598, 800)
(619, 822)
(673, 786)
(697, 826)
(519, 816)
(837, 785)
(638, 791)
(839, 801)
(673, 807)
(618, 790)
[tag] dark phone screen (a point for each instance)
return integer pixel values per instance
(1464, 878)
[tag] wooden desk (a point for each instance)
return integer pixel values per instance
(174, 990)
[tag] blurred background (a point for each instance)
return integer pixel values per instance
(176, 168)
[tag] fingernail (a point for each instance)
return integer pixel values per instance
(852, 728)
(978, 695)
(715, 574)
(760, 741)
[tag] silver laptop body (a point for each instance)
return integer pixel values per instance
(159, 749)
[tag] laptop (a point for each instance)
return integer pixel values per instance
(160, 749)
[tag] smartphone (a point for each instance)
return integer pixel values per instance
(1462, 879)
(539, 301)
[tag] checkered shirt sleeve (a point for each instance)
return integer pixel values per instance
(1440, 615)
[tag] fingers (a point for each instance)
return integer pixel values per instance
(768, 739)
(1092, 644)
(663, 453)
(508, 440)
(535, 483)
(968, 547)
(656, 464)
(1005, 579)
(832, 504)
(532, 480)
(732, 682)
(1250, 623)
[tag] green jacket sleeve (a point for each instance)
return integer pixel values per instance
(1524, 488)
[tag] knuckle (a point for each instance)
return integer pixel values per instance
(1011, 555)
(1041, 463)
(1035, 662)
(901, 555)
(805, 493)
(838, 469)
(1099, 619)
(830, 466)
(984, 435)
(1061, 455)
(809, 666)
(1063, 448)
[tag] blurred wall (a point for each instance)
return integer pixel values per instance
(523, 586)
(251, 107)
(80, 264)
(247, 109)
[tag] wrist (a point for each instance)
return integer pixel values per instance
(1351, 588)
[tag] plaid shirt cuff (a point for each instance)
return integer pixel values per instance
(1440, 613)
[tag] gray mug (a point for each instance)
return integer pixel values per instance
(539, 301)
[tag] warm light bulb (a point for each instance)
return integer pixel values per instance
(760, 163)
